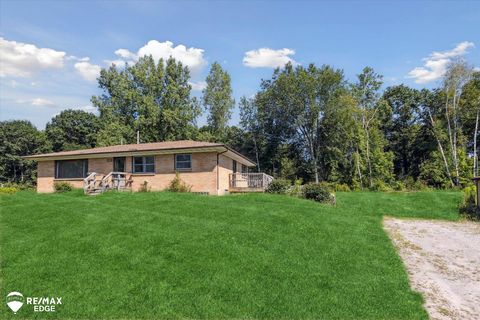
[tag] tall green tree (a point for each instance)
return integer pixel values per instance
(250, 122)
(150, 97)
(294, 102)
(401, 128)
(470, 117)
(371, 153)
(458, 74)
(217, 98)
(20, 138)
(72, 129)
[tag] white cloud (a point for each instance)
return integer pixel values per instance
(268, 58)
(87, 70)
(191, 57)
(42, 102)
(124, 53)
(89, 108)
(117, 62)
(38, 102)
(477, 69)
(198, 86)
(23, 59)
(435, 65)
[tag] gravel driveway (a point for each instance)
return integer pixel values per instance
(443, 262)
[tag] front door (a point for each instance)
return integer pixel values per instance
(119, 164)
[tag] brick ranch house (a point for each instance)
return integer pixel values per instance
(210, 168)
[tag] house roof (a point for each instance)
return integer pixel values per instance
(165, 147)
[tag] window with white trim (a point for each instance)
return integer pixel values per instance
(183, 162)
(144, 164)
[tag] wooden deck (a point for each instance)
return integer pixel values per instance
(249, 182)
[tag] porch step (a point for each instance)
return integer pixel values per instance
(94, 192)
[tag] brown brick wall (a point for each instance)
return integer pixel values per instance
(225, 167)
(202, 177)
(101, 165)
(46, 177)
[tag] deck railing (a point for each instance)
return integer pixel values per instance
(111, 181)
(249, 180)
(114, 180)
(89, 182)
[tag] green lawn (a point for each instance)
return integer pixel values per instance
(164, 255)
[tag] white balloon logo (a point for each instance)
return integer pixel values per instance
(15, 301)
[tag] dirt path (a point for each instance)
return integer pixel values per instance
(443, 263)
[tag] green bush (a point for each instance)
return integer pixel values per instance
(398, 185)
(415, 185)
(18, 186)
(469, 207)
(178, 185)
(297, 189)
(62, 187)
(379, 185)
(342, 187)
(279, 186)
(319, 192)
(144, 187)
(8, 190)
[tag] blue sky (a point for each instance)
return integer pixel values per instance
(50, 52)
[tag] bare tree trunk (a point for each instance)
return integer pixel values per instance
(314, 162)
(455, 134)
(256, 153)
(440, 147)
(358, 170)
(475, 155)
(370, 181)
(450, 137)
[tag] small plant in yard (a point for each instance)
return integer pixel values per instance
(8, 190)
(297, 189)
(342, 187)
(178, 185)
(469, 207)
(144, 187)
(17, 186)
(318, 192)
(279, 186)
(62, 187)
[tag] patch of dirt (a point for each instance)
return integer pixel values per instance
(443, 262)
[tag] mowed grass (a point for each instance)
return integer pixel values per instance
(164, 255)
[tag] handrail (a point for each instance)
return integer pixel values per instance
(110, 176)
(89, 177)
(87, 182)
(250, 180)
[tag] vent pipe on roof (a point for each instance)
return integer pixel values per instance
(138, 137)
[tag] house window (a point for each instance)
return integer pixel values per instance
(244, 169)
(65, 169)
(234, 169)
(144, 164)
(183, 162)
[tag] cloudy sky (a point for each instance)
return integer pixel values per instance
(52, 52)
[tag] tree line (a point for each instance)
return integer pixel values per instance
(305, 122)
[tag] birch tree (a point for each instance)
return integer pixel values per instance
(456, 77)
